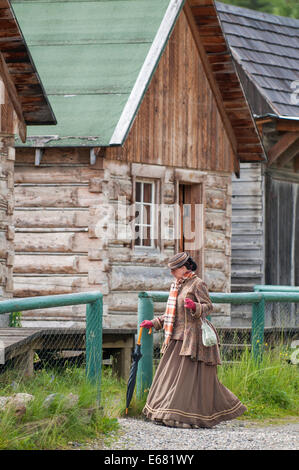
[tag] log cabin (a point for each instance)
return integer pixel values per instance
(153, 121)
(22, 103)
(265, 204)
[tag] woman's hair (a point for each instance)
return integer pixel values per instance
(190, 264)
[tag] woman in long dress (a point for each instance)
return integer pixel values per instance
(186, 391)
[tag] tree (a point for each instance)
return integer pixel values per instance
(260, 5)
(288, 8)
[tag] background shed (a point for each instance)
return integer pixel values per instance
(265, 229)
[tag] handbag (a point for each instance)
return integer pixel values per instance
(209, 337)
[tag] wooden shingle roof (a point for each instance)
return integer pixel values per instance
(266, 47)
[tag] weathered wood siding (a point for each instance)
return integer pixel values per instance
(282, 240)
(247, 264)
(178, 123)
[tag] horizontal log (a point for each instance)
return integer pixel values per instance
(34, 264)
(215, 240)
(56, 312)
(49, 285)
(56, 242)
(58, 156)
(56, 264)
(216, 220)
(56, 174)
(56, 196)
(53, 323)
(216, 260)
(125, 278)
(51, 218)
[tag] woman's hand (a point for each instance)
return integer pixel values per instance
(190, 304)
(147, 324)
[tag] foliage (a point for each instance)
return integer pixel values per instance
(55, 426)
(288, 8)
(269, 387)
(15, 320)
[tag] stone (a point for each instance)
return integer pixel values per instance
(3, 402)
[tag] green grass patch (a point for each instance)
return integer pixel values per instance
(269, 387)
(56, 425)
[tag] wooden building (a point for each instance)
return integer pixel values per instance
(265, 205)
(151, 116)
(22, 103)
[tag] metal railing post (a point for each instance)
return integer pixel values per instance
(257, 331)
(94, 314)
(145, 366)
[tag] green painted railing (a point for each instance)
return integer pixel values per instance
(94, 319)
(257, 299)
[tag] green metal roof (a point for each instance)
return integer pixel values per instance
(89, 55)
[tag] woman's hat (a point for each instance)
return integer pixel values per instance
(178, 260)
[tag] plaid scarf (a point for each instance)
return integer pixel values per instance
(170, 311)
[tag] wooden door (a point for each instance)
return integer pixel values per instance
(191, 223)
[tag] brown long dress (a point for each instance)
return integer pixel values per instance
(186, 392)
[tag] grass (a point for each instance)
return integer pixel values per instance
(269, 389)
(54, 427)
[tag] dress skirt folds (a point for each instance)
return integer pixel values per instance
(187, 393)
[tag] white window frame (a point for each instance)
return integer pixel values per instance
(152, 206)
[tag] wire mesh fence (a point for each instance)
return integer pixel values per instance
(264, 326)
(25, 350)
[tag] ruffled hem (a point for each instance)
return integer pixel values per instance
(181, 417)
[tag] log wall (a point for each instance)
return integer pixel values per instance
(59, 249)
(248, 234)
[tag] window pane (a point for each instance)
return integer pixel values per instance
(138, 191)
(146, 215)
(147, 196)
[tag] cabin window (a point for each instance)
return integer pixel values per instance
(144, 214)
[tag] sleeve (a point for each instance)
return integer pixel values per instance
(204, 304)
(158, 322)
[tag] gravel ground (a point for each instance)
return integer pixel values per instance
(138, 434)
